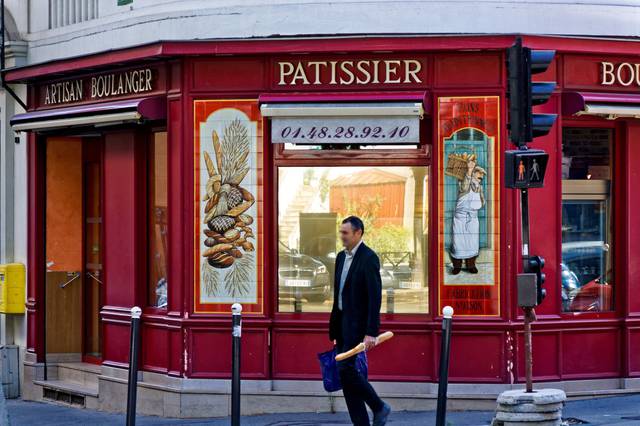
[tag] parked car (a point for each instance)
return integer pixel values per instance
(581, 270)
(302, 276)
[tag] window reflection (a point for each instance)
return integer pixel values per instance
(312, 201)
(585, 270)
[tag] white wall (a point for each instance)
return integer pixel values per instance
(146, 21)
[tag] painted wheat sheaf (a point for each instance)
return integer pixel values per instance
(229, 231)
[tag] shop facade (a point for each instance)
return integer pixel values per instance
(184, 176)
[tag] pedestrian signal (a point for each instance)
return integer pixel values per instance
(525, 168)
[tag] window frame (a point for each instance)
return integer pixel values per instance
(418, 157)
(616, 198)
(148, 136)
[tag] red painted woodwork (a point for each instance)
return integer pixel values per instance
(180, 343)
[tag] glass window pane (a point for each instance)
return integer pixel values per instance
(158, 220)
(586, 267)
(312, 201)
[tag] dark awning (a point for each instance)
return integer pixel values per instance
(130, 110)
(607, 105)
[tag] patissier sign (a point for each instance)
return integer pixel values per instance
(350, 72)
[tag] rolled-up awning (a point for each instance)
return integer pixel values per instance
(126, 111)
(607, 105)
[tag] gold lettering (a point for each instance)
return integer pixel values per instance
(283, 73)
(630, 72)
(316, 71)
(365, 72)
(375, 72)
(347, 71)
(333, 72)
(391, 71)
(94, 88)
(141, 80)
(607, 74)
(148, 74)
(120, 85)
(412, 73)
(79, 90)
(299, 75)
(47, 96)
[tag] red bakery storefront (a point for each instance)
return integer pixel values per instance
(184, 176)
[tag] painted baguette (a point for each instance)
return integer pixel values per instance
(360, 347)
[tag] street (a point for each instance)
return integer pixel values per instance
(612, 411)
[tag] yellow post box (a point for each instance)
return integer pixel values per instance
(12, 288)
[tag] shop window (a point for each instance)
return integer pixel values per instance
(157, 241)
(586, 267)
(312, 201)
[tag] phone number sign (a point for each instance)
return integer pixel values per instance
(346, 130)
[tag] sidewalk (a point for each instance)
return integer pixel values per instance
(614, 411)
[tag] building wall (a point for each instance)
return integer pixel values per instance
(147, 21)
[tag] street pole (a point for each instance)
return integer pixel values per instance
(445, 346)
(133, 365)
(236, 310)
(529, 313)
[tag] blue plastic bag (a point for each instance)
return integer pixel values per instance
(329, 367)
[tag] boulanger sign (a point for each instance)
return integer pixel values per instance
(98, 87)
(623, 73)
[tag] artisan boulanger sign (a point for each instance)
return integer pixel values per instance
(350, 72)
(623, 73)
(99, 87)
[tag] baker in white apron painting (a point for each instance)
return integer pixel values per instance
(465, 241)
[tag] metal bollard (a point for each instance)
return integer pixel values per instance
(236, 310)
(134, 350)
(390, 300)
(441, 413)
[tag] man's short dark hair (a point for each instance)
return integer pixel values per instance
(356, 223)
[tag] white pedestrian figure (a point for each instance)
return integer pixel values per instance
(535, 168)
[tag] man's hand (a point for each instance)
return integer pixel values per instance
(369, 342)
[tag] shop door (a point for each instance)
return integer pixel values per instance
(73, 245)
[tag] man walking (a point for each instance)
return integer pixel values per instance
(355, 318)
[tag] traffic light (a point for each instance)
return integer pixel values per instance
(525, 168)
(534, 265)
(522, 63)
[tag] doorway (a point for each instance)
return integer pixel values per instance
(73, 249)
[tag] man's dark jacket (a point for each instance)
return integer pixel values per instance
(361, 298)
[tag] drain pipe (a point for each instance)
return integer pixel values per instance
(6, 87)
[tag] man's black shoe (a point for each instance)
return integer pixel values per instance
(380, 418)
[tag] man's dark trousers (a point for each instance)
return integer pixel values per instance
(356, 389)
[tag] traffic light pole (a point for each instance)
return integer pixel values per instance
(529, 312)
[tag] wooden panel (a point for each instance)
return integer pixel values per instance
(546, 355)
(633, 349)
(469, 70)
(469, 363)
(545, 213)
(210, 353)
(385, 363)
(590, 353)
(117, 336)
(632, 216)
(408, 357)
(305, 344)
(229, 74)
(119, 219)
(585, 72)
(156, 354)
(64, 314)
(64, 245)
(175, 353)
(64, 204)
